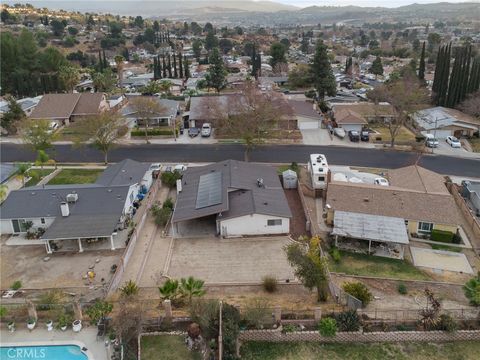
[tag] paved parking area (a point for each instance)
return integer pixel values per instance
(440, 260)
(230, 261)
(445, 149)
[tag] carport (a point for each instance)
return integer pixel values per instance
(386, 236)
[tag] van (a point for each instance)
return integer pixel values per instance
(430, 141)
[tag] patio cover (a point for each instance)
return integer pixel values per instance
(370, 227)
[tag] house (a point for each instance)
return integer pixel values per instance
(471, 193)
(233, 198)
(170, 109)
(27, 105)
(445, 122)
(416, 195)
(349, 120)
(79, 213)
(7, 170)
(307, 115)
(369, 112)
(64, 108)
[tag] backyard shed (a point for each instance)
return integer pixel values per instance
(290, 179)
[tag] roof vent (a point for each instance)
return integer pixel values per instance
(72, 198)
(260, 182)
(366, 199)
(64, 209)
(265, 203)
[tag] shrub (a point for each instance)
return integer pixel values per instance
(447, 323)
(257, 313)
(456, 239)
(161, 214)
(402, 289)
(441, 236)
(327, 327)
(152, 132)
(359, 291)
(269, 284)
(3, 311)
(170, 178)
(288, 328)
(129, 289)
(472, 290)
(16, 285)
(99, 310)
(336, 256)
(348, 320)
(168, 204)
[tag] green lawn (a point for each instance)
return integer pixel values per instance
(76, 176)
(400, 351)
(166, 347)
(37, 175)
(369, 265)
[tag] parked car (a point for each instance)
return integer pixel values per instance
(381, 181)
(180, 168)
(339, 132)
(354, 136)
(365, 135)
(430, 141)
(52, 127)
(192, 132)
(453, 142)
(206, 130)
(155, 166)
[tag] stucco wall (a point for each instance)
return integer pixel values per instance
(6, 226)
(255, 224)
(413, 227)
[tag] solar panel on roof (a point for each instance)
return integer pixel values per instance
(209, 190)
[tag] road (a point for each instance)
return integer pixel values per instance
(336, 155)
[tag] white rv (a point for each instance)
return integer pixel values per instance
(318, 169)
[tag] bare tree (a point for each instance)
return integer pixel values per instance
(101, 131)
(127, 319)
(405, 95)
(251, 116)
(147, 109)
(471, 105)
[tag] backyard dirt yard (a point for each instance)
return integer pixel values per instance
(240, 260)
(26, 263)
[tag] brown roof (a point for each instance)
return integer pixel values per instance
(55, 106)
(62, 106)
(347, 116)
(393, 201)
(418, 178)
(88, 104)
(461, 116)
(304, 108)
(366, 109)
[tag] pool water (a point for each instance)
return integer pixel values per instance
(48, 352)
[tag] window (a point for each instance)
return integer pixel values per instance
(42, 220)
(406, 222)
(321, 178)
(274, 222)
(425, 227)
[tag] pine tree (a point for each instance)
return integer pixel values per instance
(105, 63)
(216, 75)
(186, 68)
(421, 67)
(175, 73)
(169, 67)
(259, 64)
(155, 74)
(180, 65)
(159, 67)
(253, 60)
(164, 66)
(377, 67)
(323, 78)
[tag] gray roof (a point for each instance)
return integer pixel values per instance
(81, 226)
(6, 171)
(439, 117)
(370, 227)
(240, 194)
(170, 106)
(126, 172)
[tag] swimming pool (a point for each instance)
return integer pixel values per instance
(47, 352)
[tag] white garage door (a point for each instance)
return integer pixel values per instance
(349, 127)
(305, 125)
(439, 134)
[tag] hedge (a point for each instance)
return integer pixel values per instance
(441, 236)
(153, 132)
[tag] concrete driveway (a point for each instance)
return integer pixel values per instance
(322, 137)
(231, 261)
(445, 149)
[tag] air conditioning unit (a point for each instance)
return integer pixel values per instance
(72, 198)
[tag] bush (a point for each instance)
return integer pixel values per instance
(269, 284)
(348, 320)
(472, 290)
(153, 132)
(327, 327)
(170, 178)
(161, 214)
(288, 328)
(16, 285)
(359, 291)
(402, 289)
(456, 239)
(257, 314)
(336, 256)
(441, 236)
(98, 310)
(447, 323)
(168, 204)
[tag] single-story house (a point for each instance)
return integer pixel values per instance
(170, 110)
(78, 212)
(116, 101)
(416, 195)
(445, 122)
(64, 108)
(27, 105)
(235, 197)
(471, 192)
(307, 115)
(349, 120)
(370, 112)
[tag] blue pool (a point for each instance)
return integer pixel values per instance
(50, 352)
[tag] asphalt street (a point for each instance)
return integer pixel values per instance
(336, 155)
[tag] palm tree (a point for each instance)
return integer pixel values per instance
(192, 287)
(119, 59)
(70, 77)
(3, 192)
(22, 171)
(169, 290)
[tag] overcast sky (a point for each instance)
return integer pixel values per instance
(383, 3)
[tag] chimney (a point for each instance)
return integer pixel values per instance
(64, 208)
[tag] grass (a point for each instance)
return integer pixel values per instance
(67, 133)
(37, 175)
(399, 351)
(166, 347)
(370, 265)
(475, 143)
(403, 135)
(446, 248)
(76, 176)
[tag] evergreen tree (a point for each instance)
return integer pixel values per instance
(216, 75)
(164, 66)
(155, 69)
(175, 72)
(259, 65)
(169, 67)
(323, 78)
(421, 67)
(253, 60)
(186, 68)
(105, 62)
(180, 65)
(377, 67)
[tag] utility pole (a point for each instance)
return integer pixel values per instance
(220, 335)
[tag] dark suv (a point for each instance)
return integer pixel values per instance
(364, 135)
(354, 136)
